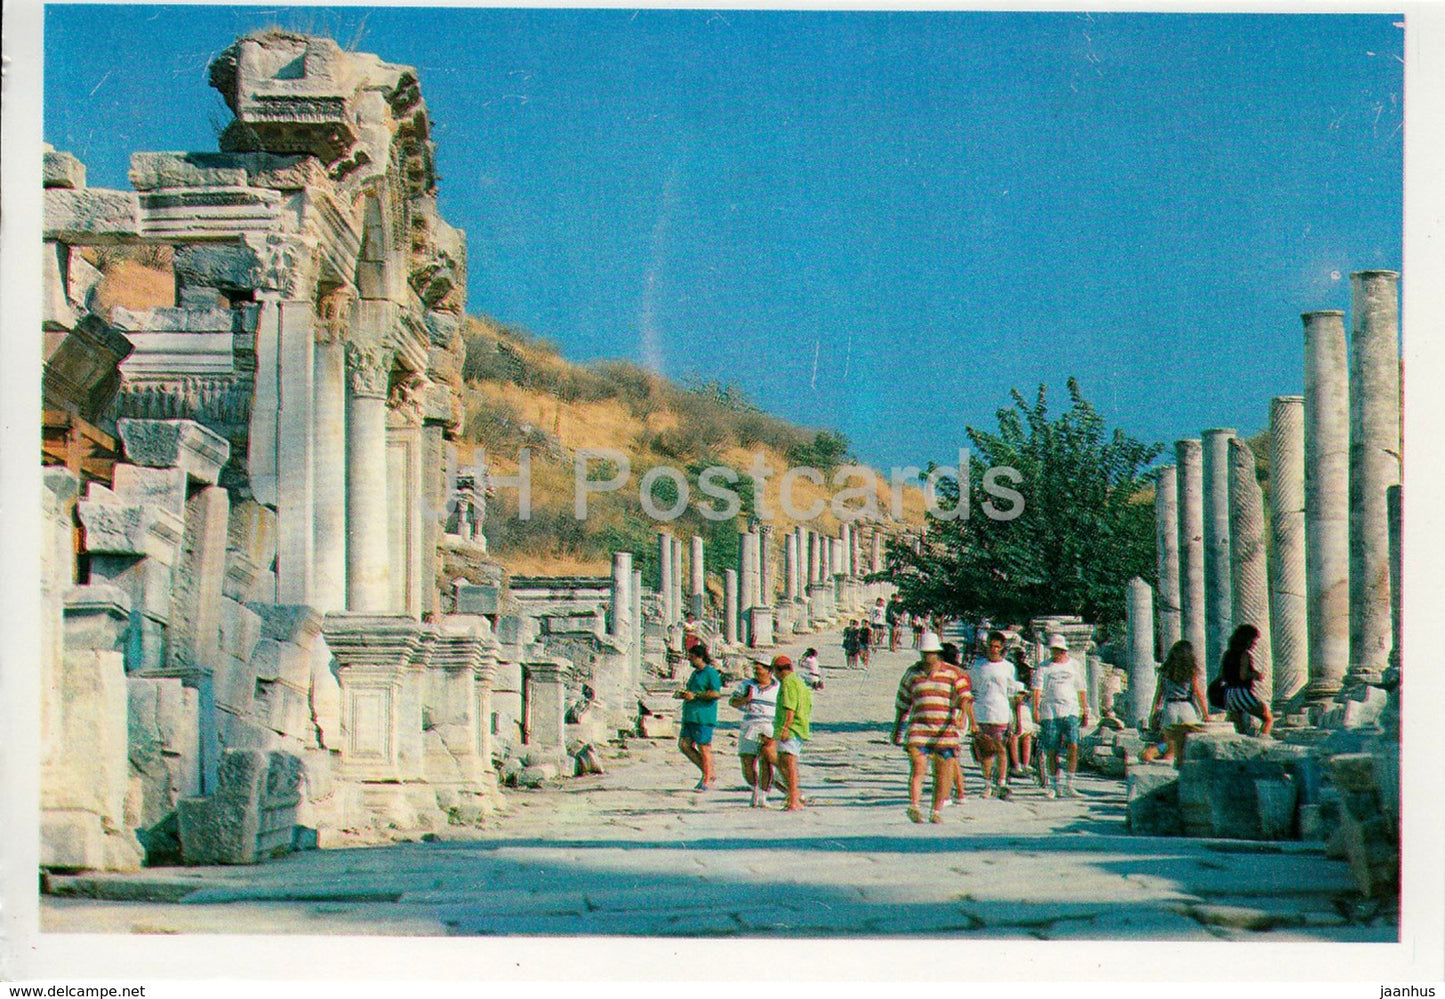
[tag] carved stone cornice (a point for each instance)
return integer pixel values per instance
(333, 319)
(407, 399)
(368, 367)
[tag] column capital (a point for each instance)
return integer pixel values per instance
(369, 369)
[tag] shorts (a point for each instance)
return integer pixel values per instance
(750, 741)
(1243, 699)
(989, 739)
(697, 733)
(790, 747)
(1055, 733)
(1178, 713)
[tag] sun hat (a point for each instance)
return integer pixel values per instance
(929, 643)
(1057, 642)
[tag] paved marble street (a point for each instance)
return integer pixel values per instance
(637, 852)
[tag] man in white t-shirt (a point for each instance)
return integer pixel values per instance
(878, 622)
(1060, 706)
(992, 678)
(758, 699)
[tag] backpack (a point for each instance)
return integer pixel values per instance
(1216, 691)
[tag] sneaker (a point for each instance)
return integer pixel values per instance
(701, 785)
(915, 814)
(935, 817)
(1051, 792)
(1069, 791)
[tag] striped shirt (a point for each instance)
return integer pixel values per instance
(933, 703)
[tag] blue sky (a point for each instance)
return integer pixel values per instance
(875, 221)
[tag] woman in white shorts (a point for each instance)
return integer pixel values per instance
(758, 699)
(1024, 729)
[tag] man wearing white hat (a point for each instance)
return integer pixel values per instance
(1060, 707)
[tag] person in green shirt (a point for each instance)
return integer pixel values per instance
(790, 727)
(699, 713)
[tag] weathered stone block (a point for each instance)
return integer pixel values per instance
(294, 623)
(1275, 801)
(283, 709)
(240, 732)
(473, 599)
(112, 527)
(152, 171)
(63, 170)
(163, 487)
(1353, 772)
(657, 727)
(91, 215)
(536, 775)
(252, 814)
(1153, 800)
(235, 686)
(96, 617)
(183, 444)
(253, 532)
(240, 629)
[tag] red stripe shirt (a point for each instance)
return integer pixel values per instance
(934, 705)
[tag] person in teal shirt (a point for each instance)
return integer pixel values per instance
(791, 727)
(699, 713)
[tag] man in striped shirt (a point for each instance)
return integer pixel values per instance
(933, 701)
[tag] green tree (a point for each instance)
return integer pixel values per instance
(1085, 527)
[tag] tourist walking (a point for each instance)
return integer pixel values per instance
(865, 641)
(809, 671)
(699, 713)
(791, 728)
(1060, 707)
(992, 677)
(916, 621)
(850, 644)
(932, 698)
(878, 622)
(896, 616)
(758, 699)
(1241, 697)
(1022, 727)
(1178, 702)
(950, 655)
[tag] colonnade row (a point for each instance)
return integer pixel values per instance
(822, 578)
(1316, 567)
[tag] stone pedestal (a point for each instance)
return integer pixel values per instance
(1327, 496)
(380, 703)
(1140, 624)
(1249, 572)
(1189, 455)
(1289, 627)
(1166, 516)
(546, 695)
(1218, 589)
(1374, 466)
(760, 627)
(458, 747)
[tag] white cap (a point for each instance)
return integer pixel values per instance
(1057, 642)
(929, 643)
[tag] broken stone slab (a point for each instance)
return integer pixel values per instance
(251, 817)
(183, 444)
(240, 630)
(298, 624)
(283, 661)
(63, 170)
(91, 215)
(113, 527)
(1353, 772)
(536, 775)
(284, 709)
(163, 487)
(173, 319)
(226, 266)
(1153, 800)
(473, 599)
(96, 617)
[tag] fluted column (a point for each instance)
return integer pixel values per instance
(1249, 574)
(1289, 621)
(622, 598)
(1218, 596)
(677, 574)
(1189, 455)
(877, 550)
(1374, 465)
(1327, 500)
(790, 565)
(767, 585)
(368, 369)
(1166, 521)
(1139, 621)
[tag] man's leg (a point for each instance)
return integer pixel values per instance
(790, 769)
(689, 749)
(704, 752)
(1071, 733)
(916, 765)
(942, 781)
(772, 766)
(750, 769)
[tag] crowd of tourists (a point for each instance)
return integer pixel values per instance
(1021, 722)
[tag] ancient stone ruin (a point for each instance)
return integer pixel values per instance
(1316, 568)
(271, 620)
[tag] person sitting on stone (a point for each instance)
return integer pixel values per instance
(1179, 703)
(1241, 679)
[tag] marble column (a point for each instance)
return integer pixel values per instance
(621, 629)
(790, 565)
(1289, 622)
(1166, 517)
(367, 515)
(1374, 465)
(730, 606)
(697, 576)
(295, 464)
(1140, 628)
(1094, 670)
(664, 584)
(635, 660)
(1189, 455)
(877, 550)
(1327, 501)
(1249, 574)
(1218, 596)
(815, 557)
(678, 609)
(767, 584)
(329, 475)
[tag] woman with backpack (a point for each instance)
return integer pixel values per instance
(1241, 697)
